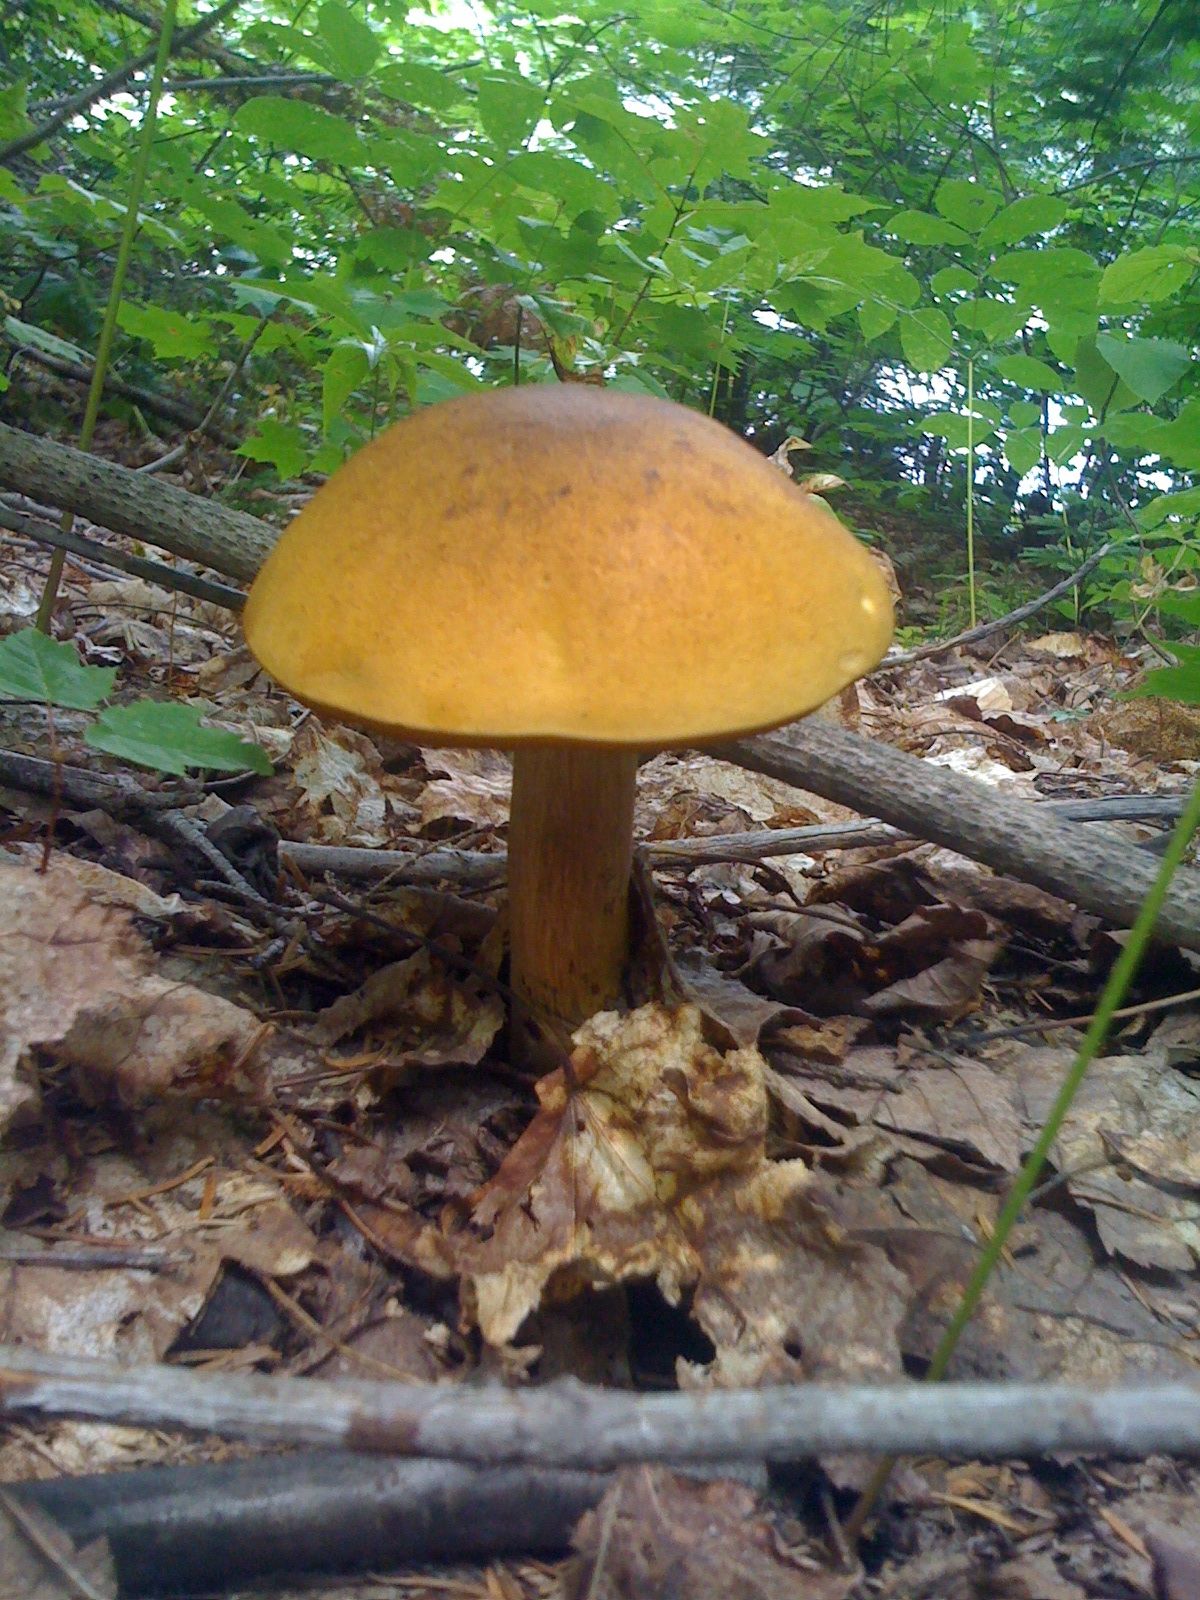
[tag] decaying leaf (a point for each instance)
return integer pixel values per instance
(653, 1166)
(657, 1533)
(74, 981)
(476, 787)
(342, 783)
(428, 1017)
(1129, 1149)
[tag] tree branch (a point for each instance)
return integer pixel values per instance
(570, 1424)
(109, 84)
(1012, 836)
(203, 531)
(973, 635)
(164, 405)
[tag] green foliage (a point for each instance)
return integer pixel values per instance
(49, 672)
(163, 735)
(810, 219)
(171, 738)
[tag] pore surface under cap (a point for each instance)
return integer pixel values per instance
(561, 562)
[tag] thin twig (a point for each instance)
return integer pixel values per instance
(109, 84)
(973, 635)
(218, 594)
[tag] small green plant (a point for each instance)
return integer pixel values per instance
(164, 735)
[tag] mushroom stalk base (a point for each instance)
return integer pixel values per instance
(570, 855)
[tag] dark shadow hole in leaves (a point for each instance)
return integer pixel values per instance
(660, 1335)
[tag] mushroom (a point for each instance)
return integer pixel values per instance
(579, 574)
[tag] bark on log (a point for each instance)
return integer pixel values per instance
(134, 503)
(1013, 836)
(208, 1528)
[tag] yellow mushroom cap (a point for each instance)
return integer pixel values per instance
(565, 563)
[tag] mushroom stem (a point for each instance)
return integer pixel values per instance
(570, 855)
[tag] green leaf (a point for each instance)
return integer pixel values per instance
(1034, 213)
(173, 334)
(352, 46)
(965, 203)
(951, 280)
(1097, 382)
(296, 125)
(1181, 603)
(1024, 414)
(1063, 443)
(1030, 373)
(1174, 683)
(918, 227)
(875, 317)
(1184, 503)
(1047, 275)
(578, 186)
(49, 671)
(952, 425)
(28, 333)
(1023, 449)
(232, 222)
(14, 119)
(926, 339)
(1150, 274)
(278, 445)
(1179, 441)
(996, 320)
(420, 85)
(171, 738)
(1149, 366)
(345, 369)
(509, 108)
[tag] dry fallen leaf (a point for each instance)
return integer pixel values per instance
(658, 1533)
(73, 981)
(654, 1167)
(476, 788)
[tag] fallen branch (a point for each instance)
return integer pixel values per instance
(570, 1424)
(218, 594)
(984, 629)
(475, 868)
(199, 530)
(210, 1527)
(163, 405)
(467, 868)
(1012, 836)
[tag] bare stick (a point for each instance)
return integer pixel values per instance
(569, 1424)
(470, 868)
(973, 635)
(1013, 836)
(219, 594)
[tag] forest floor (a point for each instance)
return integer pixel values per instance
(288, 1120)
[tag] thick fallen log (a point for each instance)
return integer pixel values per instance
(1013, 836)
(134, 503)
